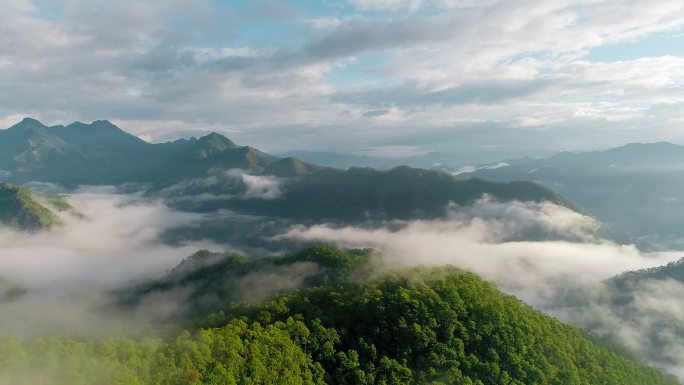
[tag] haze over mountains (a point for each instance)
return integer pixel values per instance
(162, 202)
(355, 192)
(636, 189)
(214, 167)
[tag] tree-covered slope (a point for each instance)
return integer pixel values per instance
(237, 353)
(208, 280)
(447, 326)
(630, 279)
(410, 326)
(20, 209)
(440, 326)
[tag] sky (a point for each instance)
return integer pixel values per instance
(376, 77)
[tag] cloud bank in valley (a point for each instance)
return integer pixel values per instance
(57, 281)
(549, 256)
(488, 239)
(562, 272)
(229, 184)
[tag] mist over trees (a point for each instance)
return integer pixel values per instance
(411, 326)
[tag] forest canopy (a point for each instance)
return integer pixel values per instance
(413, 326)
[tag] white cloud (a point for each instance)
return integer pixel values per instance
(232, 184)
(168, 68)
(262, 186)
(488, 239)
(325, 22)
(561, 273)
(386, 4)
(67, 272)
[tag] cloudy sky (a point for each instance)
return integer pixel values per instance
(388, 77)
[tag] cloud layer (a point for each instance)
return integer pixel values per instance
(562, 272)
(56, 282)
(446, 75)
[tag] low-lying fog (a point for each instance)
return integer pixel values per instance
(55, 281)
(550, 257)
(560, 273)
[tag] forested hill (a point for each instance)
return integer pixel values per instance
(214, 166)
(364, 193)
(630, 279)
(413, 326)
(20, 209)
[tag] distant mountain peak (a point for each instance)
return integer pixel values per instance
(215, 137)
(28, 120)
(98, 124)
(27, 123)
(651, 145)
(213, 143)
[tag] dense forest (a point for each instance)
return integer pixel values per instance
(412, 326)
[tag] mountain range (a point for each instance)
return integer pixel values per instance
(636, 189)
(354, 319)
(102, 153)
(239, 178)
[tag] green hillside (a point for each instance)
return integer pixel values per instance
(411, 326)
(216, 280)
(20, 209)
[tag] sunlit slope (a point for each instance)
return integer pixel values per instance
(20, 209)
(414, 326)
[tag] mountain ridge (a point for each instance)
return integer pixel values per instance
(635, 188)
(212, 165)
(102, 153)
(395, 326)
